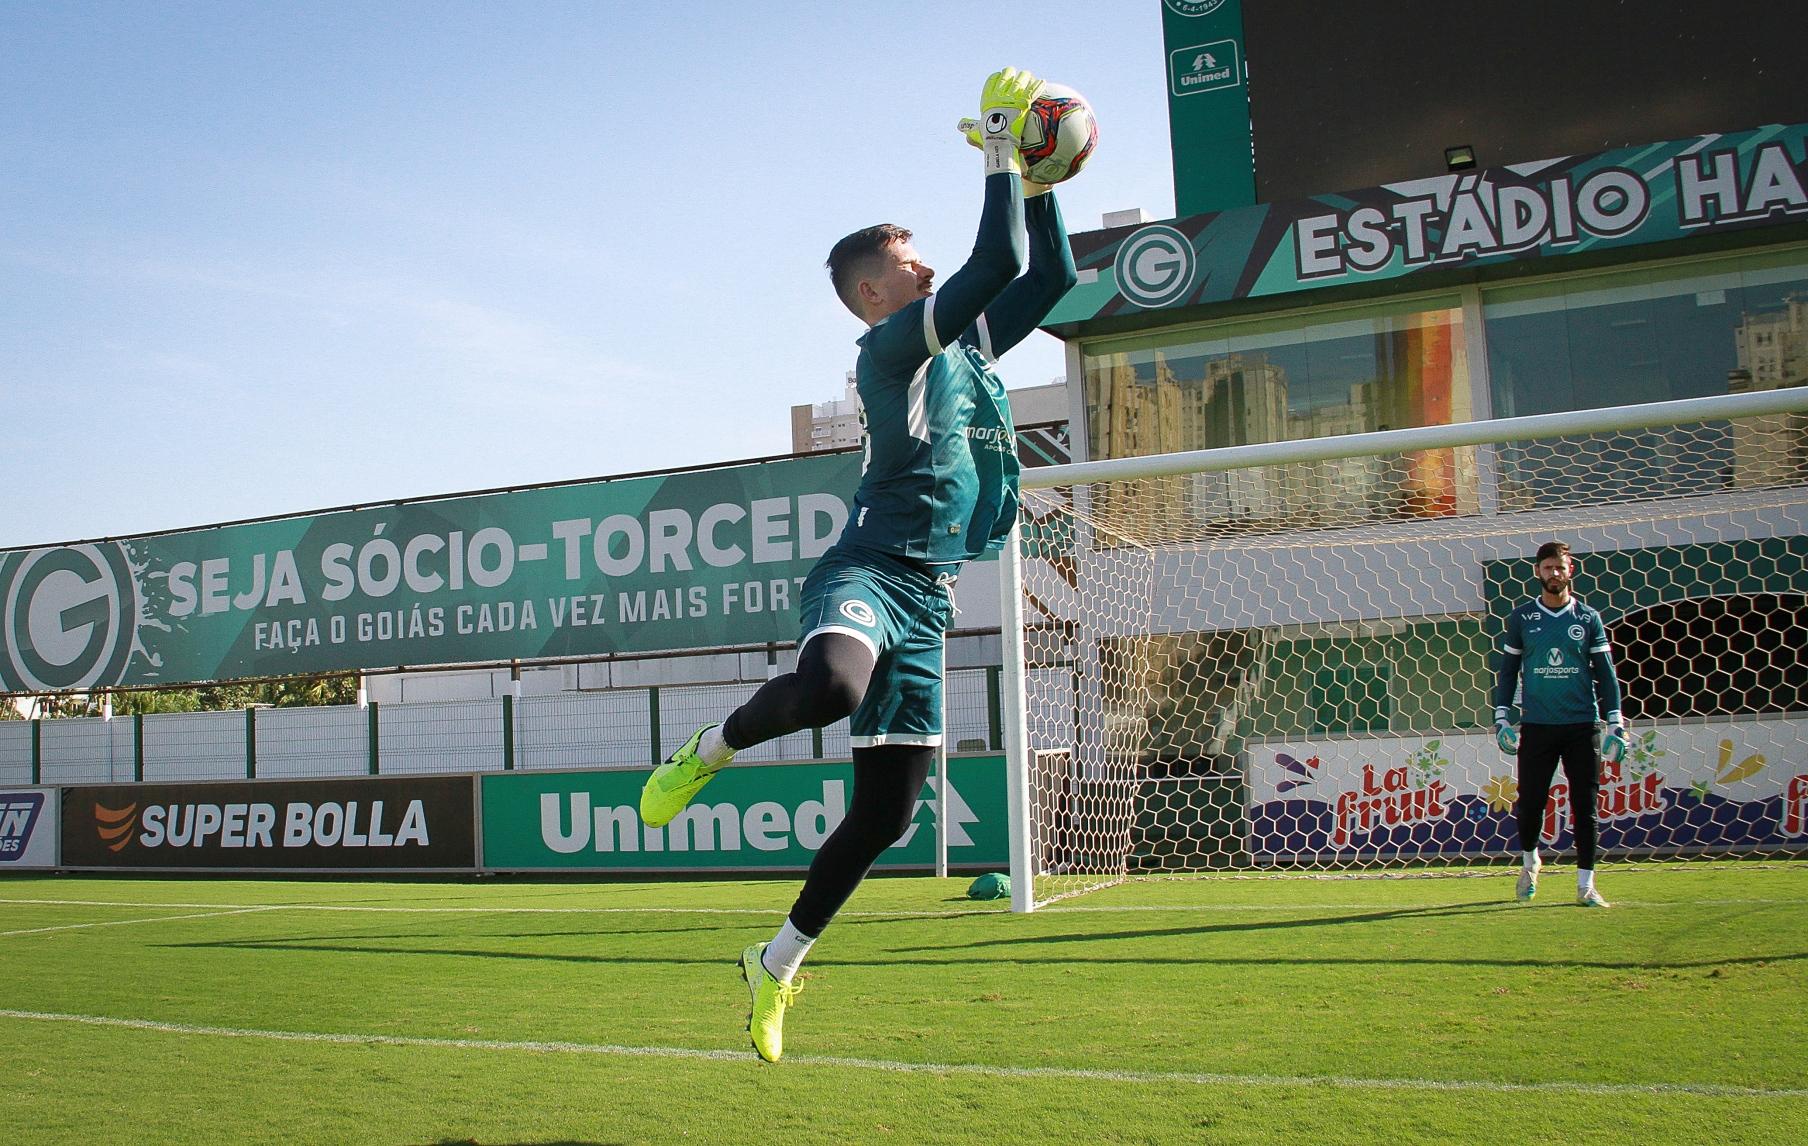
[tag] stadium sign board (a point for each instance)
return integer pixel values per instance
(28, 828)
(1208, 105)
(1720, 785)
(1544, 209)
(753, 817)
(403, 823)
(630, 565)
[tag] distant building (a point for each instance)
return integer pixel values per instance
(831, 425)
(836, 425)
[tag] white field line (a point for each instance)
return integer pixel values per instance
(407, 910)
(656, 909)
(1063, 1074)
(126, 922)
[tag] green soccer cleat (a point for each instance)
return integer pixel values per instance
(674, 783)
(766, 1020)
(1527, 886)
(1591, 898)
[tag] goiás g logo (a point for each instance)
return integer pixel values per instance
(68, 617)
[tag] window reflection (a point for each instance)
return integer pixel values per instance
(1618, 339)
(1241, 384)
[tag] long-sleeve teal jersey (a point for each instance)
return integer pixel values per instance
(940, 477)
(1567, 665)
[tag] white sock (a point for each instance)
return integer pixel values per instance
(1529, 860)
(785, 954)
(713, 749)
(1585, 880)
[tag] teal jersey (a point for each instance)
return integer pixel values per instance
(939, 483)
(940, 478)
(1565, 662)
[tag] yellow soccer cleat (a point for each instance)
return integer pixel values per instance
(766, 1021)
(674, 783)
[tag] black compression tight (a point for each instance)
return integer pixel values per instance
(832, 671)
(887, 781)
(831, 678)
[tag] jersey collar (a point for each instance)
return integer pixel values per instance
(1569, 608)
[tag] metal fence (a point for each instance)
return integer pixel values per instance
(617, 728)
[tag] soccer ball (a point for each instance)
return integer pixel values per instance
(1059, 136)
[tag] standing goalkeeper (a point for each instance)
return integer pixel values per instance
(939, 488)
(1569, 684)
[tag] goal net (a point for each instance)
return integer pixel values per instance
(1283, 656)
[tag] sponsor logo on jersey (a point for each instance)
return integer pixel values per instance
(995, 438)
(18, 815)
(1556, 667)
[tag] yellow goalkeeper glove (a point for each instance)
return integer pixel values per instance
(1004, 109)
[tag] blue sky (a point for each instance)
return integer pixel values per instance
(264, 258)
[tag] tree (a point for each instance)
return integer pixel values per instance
(204, 698)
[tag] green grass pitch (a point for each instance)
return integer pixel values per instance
(1255, 1009)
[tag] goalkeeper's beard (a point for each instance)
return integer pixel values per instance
(1556, 586)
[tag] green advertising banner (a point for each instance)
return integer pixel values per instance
(756, 817)
(1549, 209)
(682, 560)
(1208, 105)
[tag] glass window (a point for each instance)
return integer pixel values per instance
(1627, 337)
(1622, 338)
(1380, 367)
(1268, 381)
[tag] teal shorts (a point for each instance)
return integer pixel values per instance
(899, 609)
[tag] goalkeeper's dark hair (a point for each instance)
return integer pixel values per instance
(1551, 549)
(850, 259)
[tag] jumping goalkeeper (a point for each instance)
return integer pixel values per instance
(939, 489)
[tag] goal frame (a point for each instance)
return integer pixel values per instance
(1020, 803)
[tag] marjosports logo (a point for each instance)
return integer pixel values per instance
(70, 616)
(1154, 267)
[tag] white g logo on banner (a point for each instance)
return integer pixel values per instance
(69, 616)
(1577, 632)
(1154, 267)
(859, 612)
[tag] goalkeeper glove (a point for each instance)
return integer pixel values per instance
(1004, 109)
(970, 129)
(1507, 737)
(1613, 748)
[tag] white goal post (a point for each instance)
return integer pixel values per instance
(1280, 655)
